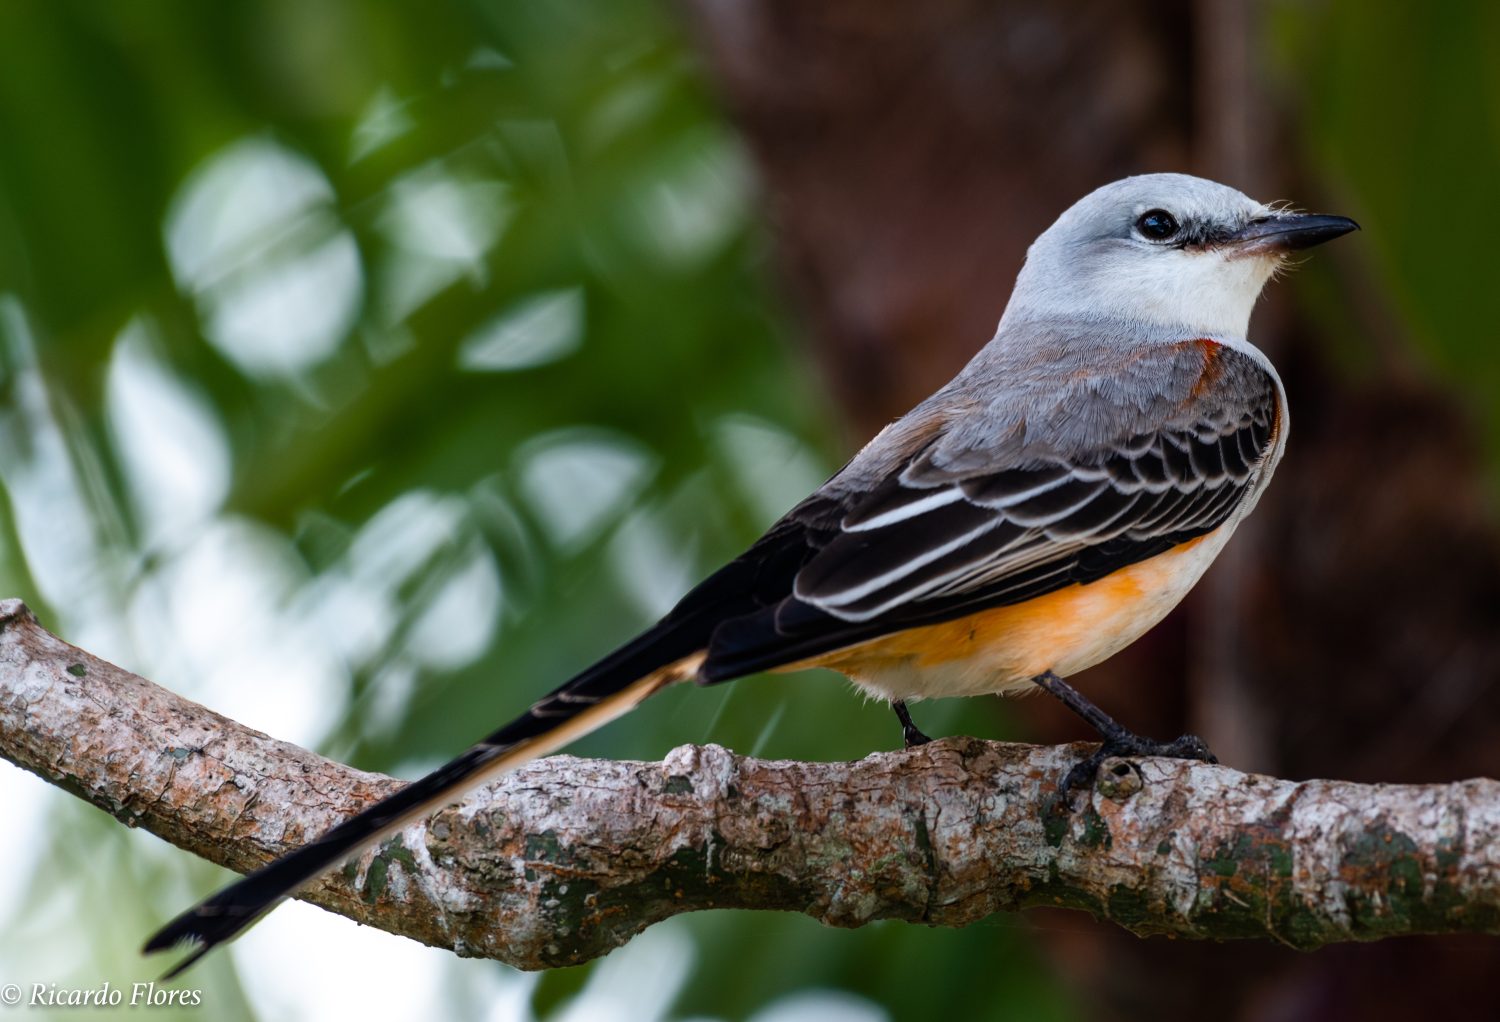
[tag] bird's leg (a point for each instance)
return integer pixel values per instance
(910, 734)
(1118, 741)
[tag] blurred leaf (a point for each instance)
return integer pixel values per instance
(1402, 112)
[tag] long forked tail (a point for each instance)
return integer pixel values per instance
(599, 695)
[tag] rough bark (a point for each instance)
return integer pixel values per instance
(569, 858)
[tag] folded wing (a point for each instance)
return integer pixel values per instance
(930, 542)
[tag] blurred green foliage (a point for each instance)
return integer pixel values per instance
(1398, 114)
(449, 324)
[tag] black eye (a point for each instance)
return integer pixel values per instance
(1157, 224)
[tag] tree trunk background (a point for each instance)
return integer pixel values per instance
(908, 155)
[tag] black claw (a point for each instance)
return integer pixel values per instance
(1081, 776)
(910, 733)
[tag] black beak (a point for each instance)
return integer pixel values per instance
(1289, 232)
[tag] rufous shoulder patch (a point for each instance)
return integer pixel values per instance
(1212, 352)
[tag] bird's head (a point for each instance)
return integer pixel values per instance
(1166, 250)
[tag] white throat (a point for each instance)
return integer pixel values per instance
(1205, 292)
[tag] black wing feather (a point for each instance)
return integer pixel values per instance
(910, 555)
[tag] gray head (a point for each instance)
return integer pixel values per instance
(1166, 250)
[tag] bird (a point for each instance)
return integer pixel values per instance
(1029, 519)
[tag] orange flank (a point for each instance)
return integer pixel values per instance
(1001, 649)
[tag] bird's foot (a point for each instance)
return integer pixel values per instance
(1125, 744)
(911, 735)
(1118, 741)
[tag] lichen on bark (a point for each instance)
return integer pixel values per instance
(568, 858)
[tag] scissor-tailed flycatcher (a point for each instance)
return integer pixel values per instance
(1033, 517)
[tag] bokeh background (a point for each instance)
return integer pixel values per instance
(367, 368)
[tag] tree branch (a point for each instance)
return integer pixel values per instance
(569, 858)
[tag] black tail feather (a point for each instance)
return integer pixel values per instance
(604, 691)
(225, 914)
